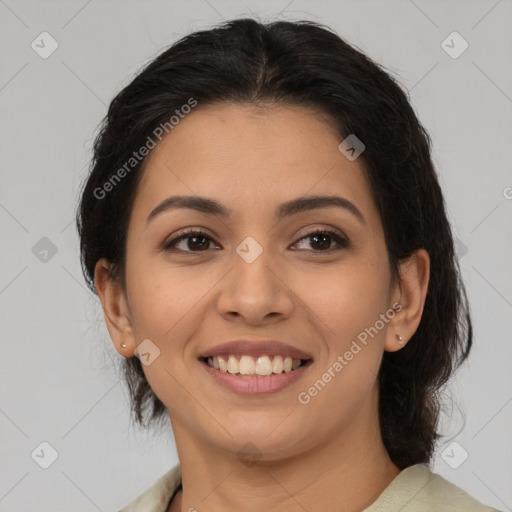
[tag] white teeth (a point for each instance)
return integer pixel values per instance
(264, 366)
(277, 364)
(223, 365)
(233, 366)
(247, 365)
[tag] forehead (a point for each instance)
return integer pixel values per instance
(251, 158)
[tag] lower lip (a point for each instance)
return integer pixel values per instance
(256, 385)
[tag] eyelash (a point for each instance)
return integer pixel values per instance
(342, 242)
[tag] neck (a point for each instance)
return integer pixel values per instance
(349, 471)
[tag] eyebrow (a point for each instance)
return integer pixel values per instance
(292, 207)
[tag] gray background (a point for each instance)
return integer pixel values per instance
(58, 379)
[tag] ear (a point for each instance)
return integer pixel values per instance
(115, 308)
(409, 292)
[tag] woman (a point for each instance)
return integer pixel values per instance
(266, 232)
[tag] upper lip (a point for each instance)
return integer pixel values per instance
(256, 349)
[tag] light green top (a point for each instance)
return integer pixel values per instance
(415, 489)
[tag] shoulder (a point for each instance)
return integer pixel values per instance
(156, 498)
(417, 489)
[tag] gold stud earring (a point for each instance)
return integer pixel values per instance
(400, 339)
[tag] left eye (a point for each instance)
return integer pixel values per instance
(196, 241)
(320, 238)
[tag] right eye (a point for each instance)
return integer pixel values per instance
(194, 241)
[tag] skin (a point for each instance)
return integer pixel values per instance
(315, 456)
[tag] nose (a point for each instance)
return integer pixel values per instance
(256, 291)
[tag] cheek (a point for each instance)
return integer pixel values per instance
(349, 304)
(347, 298)
(160, 297)
(169, 303)
(165, 303)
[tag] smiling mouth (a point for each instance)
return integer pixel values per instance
(242, 365)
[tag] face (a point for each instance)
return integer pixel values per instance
(256, 275)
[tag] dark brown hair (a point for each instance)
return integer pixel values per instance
(305, 63)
